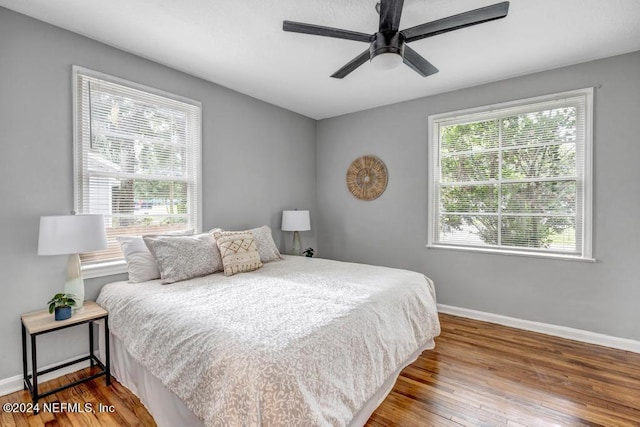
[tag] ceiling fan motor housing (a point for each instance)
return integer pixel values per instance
(387, 42)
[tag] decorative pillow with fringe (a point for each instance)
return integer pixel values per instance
(264, 242)
(239, 252)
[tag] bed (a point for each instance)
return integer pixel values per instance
(300, 341)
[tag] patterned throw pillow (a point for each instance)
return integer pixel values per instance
(184, 257)
(238, 251)
(264, 242)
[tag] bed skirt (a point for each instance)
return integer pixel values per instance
(168, 410)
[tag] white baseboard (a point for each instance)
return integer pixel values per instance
(15, 383)
(545, 328)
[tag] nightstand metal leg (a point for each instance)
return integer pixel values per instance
(91, 361)
(107, 355)
(34, 370)
(24, 357)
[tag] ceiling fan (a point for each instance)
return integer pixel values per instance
(389, 44)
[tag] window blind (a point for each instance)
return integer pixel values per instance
(513, 177)
(137, 158)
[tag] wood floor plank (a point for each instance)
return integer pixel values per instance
(479, 374)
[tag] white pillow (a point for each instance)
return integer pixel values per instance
(141, 264)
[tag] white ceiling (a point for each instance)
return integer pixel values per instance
(240, 43)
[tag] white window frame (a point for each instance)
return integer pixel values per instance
(585, 182)
(118, 266)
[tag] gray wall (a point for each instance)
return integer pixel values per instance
(257, 160)
(602, 297)
(289, 161)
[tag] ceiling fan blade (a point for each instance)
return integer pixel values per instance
(390, 13)
(418, 63)
(352, 65)
(319, 30)
(455, 22)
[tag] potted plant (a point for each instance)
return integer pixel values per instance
(61, 304)
(308, 252)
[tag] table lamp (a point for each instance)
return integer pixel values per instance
(296, 221)
(72, 235)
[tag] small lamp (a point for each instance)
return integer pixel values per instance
(296, 221)
(72, 235)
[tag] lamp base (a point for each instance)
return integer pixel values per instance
(296, 244)
(74, 283)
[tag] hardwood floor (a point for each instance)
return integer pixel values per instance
(126, 407)
(491, 375)
(479, 374)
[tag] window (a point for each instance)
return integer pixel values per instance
(136, 160)
(514, 177)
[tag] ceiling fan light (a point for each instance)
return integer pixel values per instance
(386, 50)
(387, 61)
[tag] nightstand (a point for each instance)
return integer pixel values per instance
(41, 322)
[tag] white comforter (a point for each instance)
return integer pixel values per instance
(299, 342)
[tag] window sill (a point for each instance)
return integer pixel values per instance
(104, 269)
(514, 253)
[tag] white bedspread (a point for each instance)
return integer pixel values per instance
(299, 342)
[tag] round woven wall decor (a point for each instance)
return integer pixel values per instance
(367, 177)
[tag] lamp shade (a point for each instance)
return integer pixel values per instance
(296, 221)
(71, 234)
